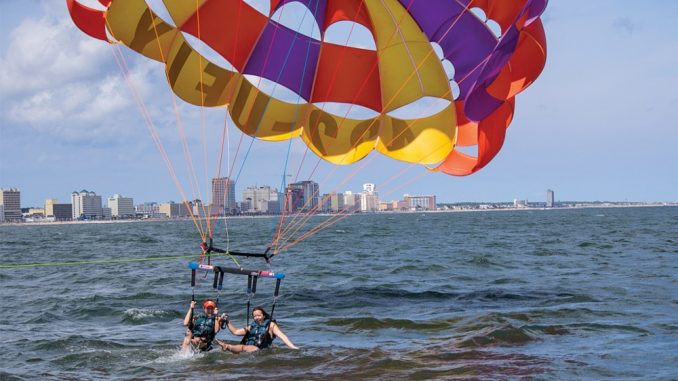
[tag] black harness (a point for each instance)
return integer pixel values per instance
(203, 327)
(258, 335)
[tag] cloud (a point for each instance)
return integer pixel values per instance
(80, 101)
(57, 81)
(625, 24)
(97, 109)
(47, 53)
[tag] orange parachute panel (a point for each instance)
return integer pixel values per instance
(403, 70)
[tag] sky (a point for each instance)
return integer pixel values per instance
(600, 123)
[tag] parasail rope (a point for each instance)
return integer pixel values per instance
(309, 214)
(282, 70)
(197, 221)
(202, 121)
(346, 212)
(106, 261)
(373, 68)
(295, 227)
(94, 262)
(301, 82)
(184, 141)
(414, 72)
(332, 82)
(225, 140)
(122, 64)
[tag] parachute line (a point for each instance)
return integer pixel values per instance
(293, 227)
(506, 38)
(122, 64)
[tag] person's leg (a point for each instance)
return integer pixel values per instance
(250, 348)
(236, 348)
(187, 340)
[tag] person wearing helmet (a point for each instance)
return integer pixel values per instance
(258, 335)
(201, 330)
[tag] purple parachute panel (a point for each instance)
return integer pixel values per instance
(286, 57)
(465, 40)
(316, 7)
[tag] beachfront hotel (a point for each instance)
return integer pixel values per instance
(369, 198)
(302, 196)
(10, 200)
(264, 199)
(223, 196)
(121, 207)
(86, 205)
(426, 202)
(550, 199)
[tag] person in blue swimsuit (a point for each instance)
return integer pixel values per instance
(258, 335)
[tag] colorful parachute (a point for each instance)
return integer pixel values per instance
(489, 70)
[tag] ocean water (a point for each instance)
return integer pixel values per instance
(552, 294)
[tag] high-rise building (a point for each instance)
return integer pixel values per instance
(337, 202)
(325, 203)
(351, 201)
(2, 213)
(49, 206)
(369, 198)
(223, 196)
(148, 210)
(520, 203)
(36, 212)
(261, 199)
(198, 209)
(401, 205)
(121, 207)
(86, 205)
(10, 199)
(550, 198)
(420, 202)
(302, 196)
(62, 212)
(173, 210)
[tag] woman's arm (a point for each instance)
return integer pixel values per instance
(217, 321)
(236, 331)
(189, 314)
(278, 332)
(231, 327)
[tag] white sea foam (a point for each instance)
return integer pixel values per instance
(143, 313)
(179, 355)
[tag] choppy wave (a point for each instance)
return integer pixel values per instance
(148, 315)
(371, 323)
(562, 294)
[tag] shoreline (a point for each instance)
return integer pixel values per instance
(47, 223)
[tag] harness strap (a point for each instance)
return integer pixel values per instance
(192, 285)
(275, 297)
(221, 280)
(249, 298)
(220, 285)
(216, 278)
(277, 287)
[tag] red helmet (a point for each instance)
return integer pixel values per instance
(209, 304)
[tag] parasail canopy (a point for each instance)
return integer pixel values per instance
(413, 39)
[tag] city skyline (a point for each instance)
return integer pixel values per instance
(332, 202)
(575, 129)
(115, 197)
(303, 198)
